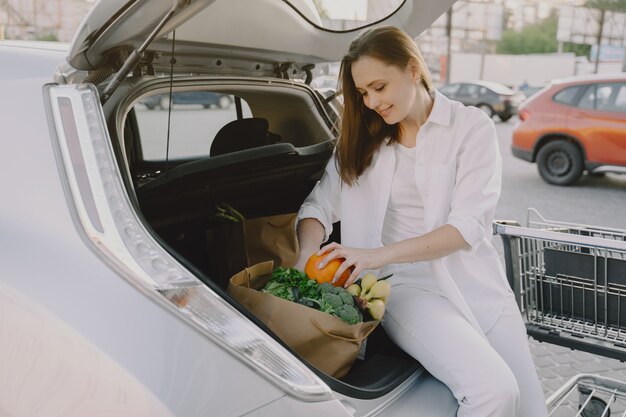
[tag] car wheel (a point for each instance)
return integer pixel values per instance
(164, 103)
(560, 162)
(224, 102)
(596, 407)
(487, 109)
(505, 117)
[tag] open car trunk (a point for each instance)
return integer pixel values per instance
(258, 171)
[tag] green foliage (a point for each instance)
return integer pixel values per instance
(293, 285)
(539, 38)
(612, 5)
(49, 37)
(533, 39)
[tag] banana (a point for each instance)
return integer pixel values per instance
(376, 308)
(367, 281)
(371, 295)
(380, 289)
(354, 289)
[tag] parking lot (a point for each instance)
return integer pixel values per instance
(594, 200)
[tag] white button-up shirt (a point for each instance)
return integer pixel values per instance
(458, 173)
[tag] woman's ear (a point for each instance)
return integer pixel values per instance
(414, 70)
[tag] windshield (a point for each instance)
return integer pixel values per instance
(345, 15)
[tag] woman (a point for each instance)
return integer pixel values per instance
(415, 180)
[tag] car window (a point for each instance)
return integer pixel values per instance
(196, 117)
(620, 98)
(567, 96)
(588, 99)
(470, 90)
(604, 97)
(611, 97)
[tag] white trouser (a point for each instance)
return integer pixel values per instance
(489, 378)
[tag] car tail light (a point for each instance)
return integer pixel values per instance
(106, 216)
(524, 115)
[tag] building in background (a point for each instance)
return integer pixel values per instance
(41, 19)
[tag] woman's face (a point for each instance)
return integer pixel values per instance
(388, 90)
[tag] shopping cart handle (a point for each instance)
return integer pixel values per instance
(503, 223)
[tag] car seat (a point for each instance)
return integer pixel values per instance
(242, 134)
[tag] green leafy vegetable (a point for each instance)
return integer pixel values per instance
(293, 285)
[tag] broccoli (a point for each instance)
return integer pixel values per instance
(339, 302)
(326, 287)
(330, 302)
(349, 314)
(347, 298)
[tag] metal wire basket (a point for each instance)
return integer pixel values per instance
(569, 281)
(588, 396)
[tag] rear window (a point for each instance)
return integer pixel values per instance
(197, 116)
(343, 16)
(567, 96)
(472, 90)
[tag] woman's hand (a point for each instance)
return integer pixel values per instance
(358, 259)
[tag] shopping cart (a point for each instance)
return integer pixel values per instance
(570, 283)
(588, 396)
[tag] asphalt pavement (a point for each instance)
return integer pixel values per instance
(592, 201)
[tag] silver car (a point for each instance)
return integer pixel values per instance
(113, 296)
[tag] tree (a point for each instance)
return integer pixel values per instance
(612, 5)
(539, 38)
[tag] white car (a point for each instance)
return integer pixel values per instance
(113, 296)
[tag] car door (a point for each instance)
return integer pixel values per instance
(450, 90)
(599, 120)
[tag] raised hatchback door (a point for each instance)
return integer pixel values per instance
(296, 31)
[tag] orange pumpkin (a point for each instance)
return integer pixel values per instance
(327, 273)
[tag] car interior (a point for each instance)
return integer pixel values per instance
(260, 157)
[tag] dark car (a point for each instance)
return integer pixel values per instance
(492, 98)
(206, 99)
(576, 124)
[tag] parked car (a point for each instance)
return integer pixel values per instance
(111, 297)
(529, 90)
(492, 98)
(576, 124)
(205, 99)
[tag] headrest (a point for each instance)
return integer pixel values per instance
(239, 135)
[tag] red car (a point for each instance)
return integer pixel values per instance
(574, 125)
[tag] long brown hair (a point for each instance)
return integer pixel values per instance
(362, 129)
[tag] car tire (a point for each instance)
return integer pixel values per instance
(560, 162)
(164, 103)
(224, 102)
(487, 109)
(505, 117)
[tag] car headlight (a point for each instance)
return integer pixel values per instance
(105, 214)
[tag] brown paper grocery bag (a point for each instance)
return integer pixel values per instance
(235, 246)
(271, 238)
(325, 341)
